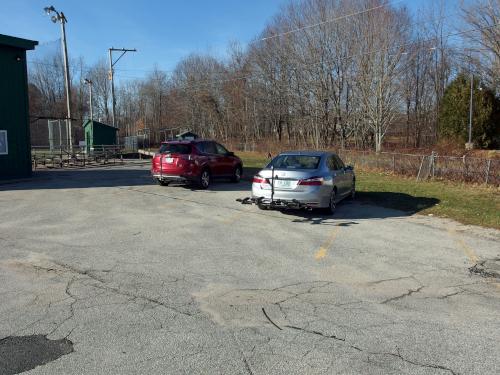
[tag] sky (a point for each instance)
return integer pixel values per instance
(163, 32)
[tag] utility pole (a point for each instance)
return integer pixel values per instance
(111, 76)
(89, 82)
(59, 16)
(470, 108)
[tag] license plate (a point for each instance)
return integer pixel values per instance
(169, 160)
(283, 183)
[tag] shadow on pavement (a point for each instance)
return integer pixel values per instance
(128, 175)
(82, 178)
(367, 205)
(398, 201)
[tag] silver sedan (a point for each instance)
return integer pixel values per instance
(304, 179)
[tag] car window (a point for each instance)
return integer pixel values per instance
(175, 148)
(221, 150)
(339, 161)
(208, 148)
(295, 162)
(332, 163)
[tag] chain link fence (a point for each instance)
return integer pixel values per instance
(466, 169)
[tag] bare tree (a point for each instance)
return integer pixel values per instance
(484, 16)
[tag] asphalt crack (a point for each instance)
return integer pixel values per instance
(404, 295)
(335, 337)
(426, 365)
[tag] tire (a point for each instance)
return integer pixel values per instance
(237, 174)
(330, 210)
(162, 183)
(204, 179)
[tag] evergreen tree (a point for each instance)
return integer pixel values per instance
(454, 113)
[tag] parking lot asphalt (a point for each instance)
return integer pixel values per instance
(147, 279)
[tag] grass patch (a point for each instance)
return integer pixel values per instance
(253, 159)
(466, 203)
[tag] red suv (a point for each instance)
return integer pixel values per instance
(197, 161)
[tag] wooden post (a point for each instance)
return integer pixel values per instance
(393, 164)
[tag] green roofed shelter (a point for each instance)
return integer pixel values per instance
(99, 134)
(186, 136)
(15, 147)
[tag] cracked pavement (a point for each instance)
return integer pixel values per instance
(149, 279)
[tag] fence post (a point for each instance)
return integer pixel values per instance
(465, 168)
(488, 166)
(433, 166)
(393, 164)
(420, 169)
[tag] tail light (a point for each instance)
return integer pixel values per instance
(259, 180)
(313, 181)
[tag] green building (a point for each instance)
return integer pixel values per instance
(15, 148)
(98, 134)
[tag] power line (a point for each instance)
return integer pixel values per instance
(301, 66)
(302, 28)
(294, 30)
(211, 82)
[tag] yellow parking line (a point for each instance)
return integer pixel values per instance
(465, 248)
(323, 249)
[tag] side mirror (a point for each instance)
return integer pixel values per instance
(230, 153)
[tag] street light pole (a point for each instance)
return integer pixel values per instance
(111, 77)
(470, 107)
(89, 82)
(62, 19)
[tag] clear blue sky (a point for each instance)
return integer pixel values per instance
(162, 31)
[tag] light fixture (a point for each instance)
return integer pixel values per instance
(50, 9)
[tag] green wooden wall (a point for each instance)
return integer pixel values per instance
(98, 134)
(14, 112)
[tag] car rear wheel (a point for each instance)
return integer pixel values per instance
(237, 174)
(333, 203)
(204, 180)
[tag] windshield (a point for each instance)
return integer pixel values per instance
(175, 148)
(295, 162)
